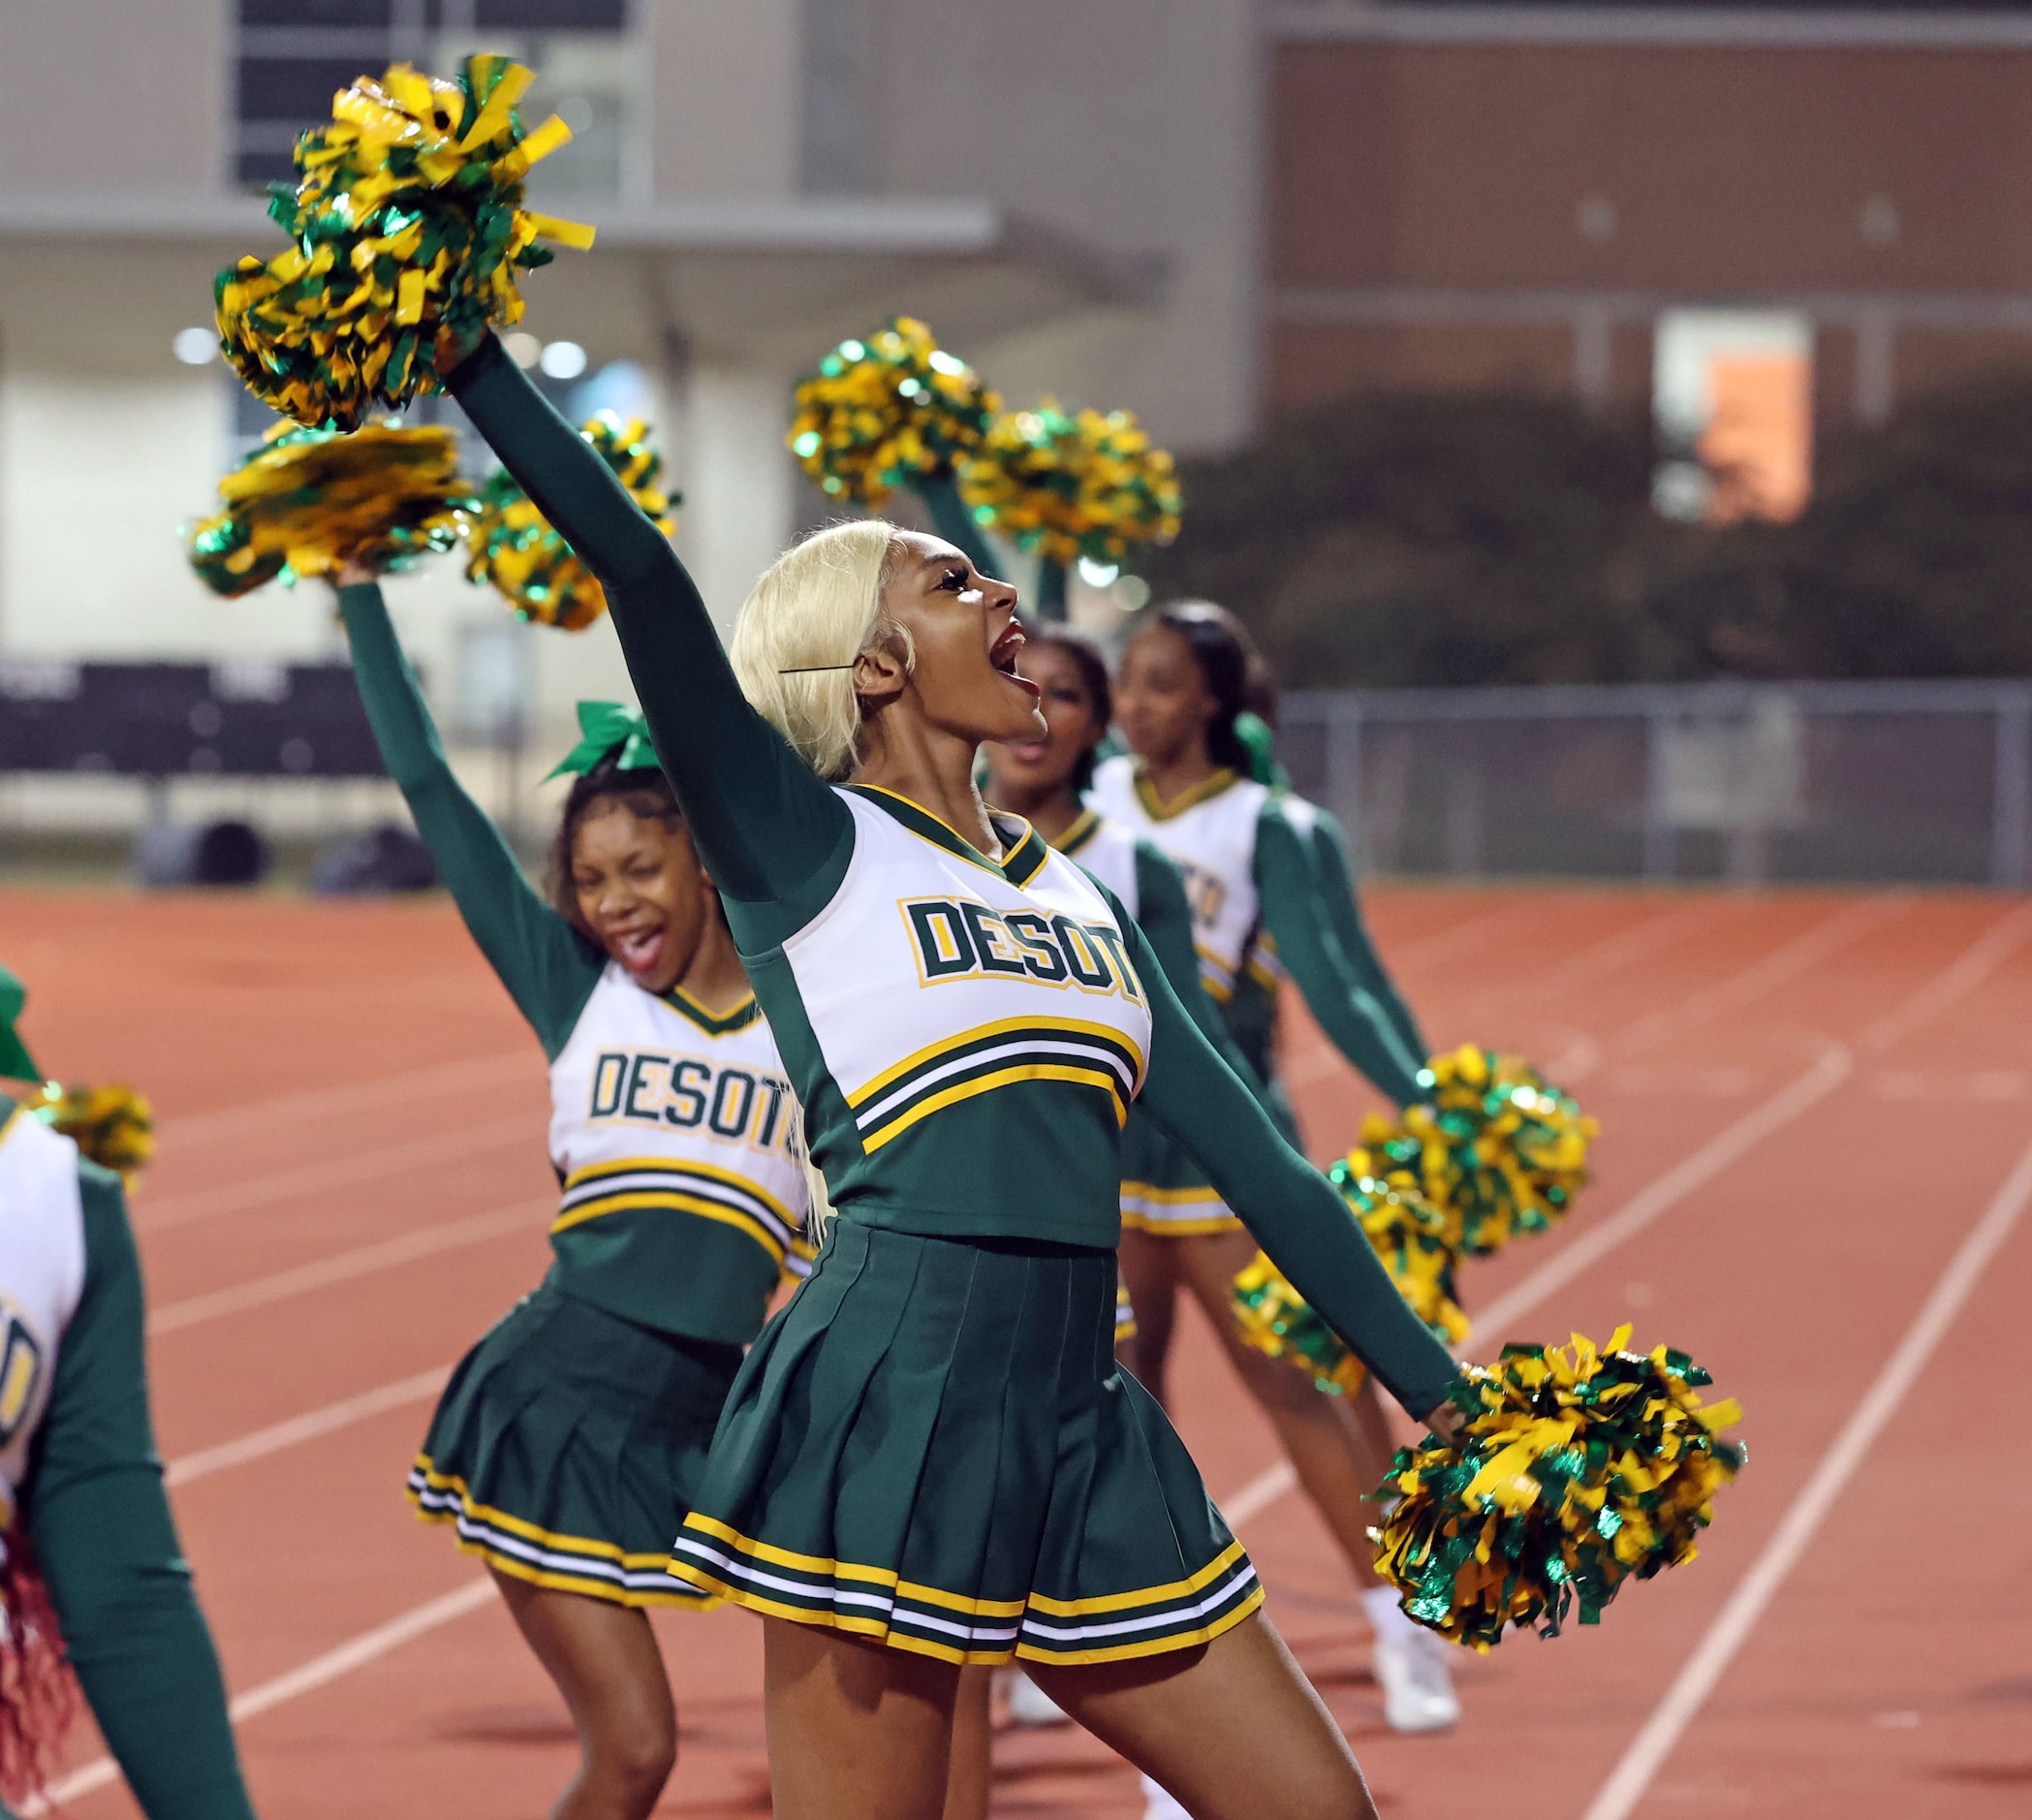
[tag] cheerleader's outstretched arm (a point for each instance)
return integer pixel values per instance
(1166, 918)
(548, 968)
(1288, 1204)
(1354, 1021)
(102, 1529)
(952, 521)
(774, 837)
(1329, 853)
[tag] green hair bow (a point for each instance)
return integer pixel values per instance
(1260, 745)
(603, 727)
(15, 1063)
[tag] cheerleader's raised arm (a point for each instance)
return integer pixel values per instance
(548, 968)
(774, 837)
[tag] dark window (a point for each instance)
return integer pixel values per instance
(552, 15)
(260, 169)
(300, 12)
(296, 88)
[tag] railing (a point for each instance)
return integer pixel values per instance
(1803, 782)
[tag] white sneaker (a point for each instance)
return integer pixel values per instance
(1417, 1691)
(1160, 1803)
(1030, 1704)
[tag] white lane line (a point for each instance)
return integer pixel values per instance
(317, 1672)
(1729, 1145)
(300, 1280)
(311, 1425)
(1425, 949)
(1753, 1592)
(1784, 963)
(1977, 962)
(319, 1104)
(1259, 1494)
(340, 1172)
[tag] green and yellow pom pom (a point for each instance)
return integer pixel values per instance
(882, 412)
(1499, 1148)
(1064, 486)
(513, 546)
(113, 1127)
(407, 231)
(1417, 1244)
(308, 500)
(1579, 1469)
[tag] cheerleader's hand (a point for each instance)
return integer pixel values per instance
(1446, 1421)
(352, 572)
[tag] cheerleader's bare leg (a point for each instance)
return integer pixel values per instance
(606, 1663)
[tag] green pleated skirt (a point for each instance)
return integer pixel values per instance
(567, 1445)
(931, 1446)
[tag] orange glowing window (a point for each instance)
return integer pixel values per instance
(1732, 397)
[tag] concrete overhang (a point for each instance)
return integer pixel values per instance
(102, 282)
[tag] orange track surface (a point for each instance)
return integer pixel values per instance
(352, 1185)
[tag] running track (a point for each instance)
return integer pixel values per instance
(1818, 1110)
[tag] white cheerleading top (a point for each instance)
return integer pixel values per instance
(42, 1276)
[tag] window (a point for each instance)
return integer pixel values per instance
(1732, 397)
(294, 54)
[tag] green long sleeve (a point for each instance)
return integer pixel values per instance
(101, 1528)
(1166, 917)
(1354, 1023)
(1288, 1204)
(776, 839)
(952, 521)
(549, 969)
(1329, 853)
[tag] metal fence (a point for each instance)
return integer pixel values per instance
(1928, 782)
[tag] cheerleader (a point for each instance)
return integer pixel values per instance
(1185, 785)
(571, 1438)
(93, 1580)
(930, 1458)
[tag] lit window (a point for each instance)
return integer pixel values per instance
(1732, 395)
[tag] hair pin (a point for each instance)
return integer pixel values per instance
(812, 670)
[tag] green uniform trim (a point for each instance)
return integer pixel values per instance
(777, 841)
(713, 1022)
(1019, 865)
(102, 1530)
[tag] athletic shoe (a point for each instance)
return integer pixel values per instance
(1030, 1704)
(1418, 1692)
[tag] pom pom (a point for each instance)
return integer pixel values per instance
(1579, 1469)
(1498, 1147)
(308, 500)
(408, 229)
(1065, 486)
(880, 413)
(512, 545)
(1417, 1244)
(113, 1127)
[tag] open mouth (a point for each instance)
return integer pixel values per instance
(1002, 653)
(637, 950)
